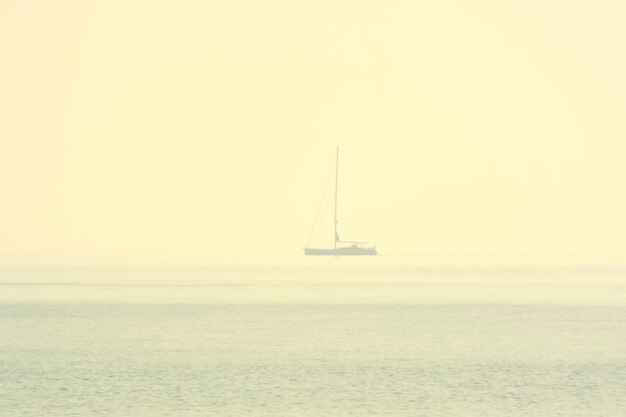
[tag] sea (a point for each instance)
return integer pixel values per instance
(338, 340)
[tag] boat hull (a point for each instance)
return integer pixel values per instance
(347, 251)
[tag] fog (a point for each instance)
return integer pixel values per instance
(204, 132)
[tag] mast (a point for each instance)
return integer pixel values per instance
(336, 187)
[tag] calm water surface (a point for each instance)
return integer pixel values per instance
(312, 342)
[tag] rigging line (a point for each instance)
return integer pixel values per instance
(319, 209)
(320, 225)
(326, 204)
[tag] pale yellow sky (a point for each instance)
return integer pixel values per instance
(198, 131)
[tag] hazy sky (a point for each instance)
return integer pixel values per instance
(197, 131)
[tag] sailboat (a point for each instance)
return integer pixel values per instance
(340, 248)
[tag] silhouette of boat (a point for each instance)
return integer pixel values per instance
(339, 248)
